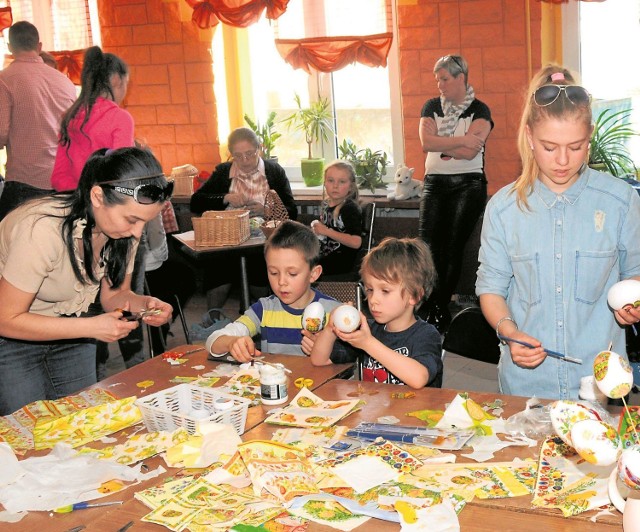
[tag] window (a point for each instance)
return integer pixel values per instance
(365, 101)
(600, 41)
(62, 24)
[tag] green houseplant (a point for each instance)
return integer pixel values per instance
(370, 165)
(266, 133)
(315, 122)
(607, 150)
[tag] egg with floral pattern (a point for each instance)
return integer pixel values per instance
(614, 376)
(629, 467)
(314, 317)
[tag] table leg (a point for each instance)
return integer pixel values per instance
(244, 282)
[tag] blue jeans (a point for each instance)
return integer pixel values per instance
(31, 371)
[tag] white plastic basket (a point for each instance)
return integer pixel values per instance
(171, 408)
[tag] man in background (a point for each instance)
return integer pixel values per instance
(33, 98)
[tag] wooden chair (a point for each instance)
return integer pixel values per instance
(470, 336)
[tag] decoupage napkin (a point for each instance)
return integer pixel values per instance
(17, 429)
(437, 518)
(308, 410)
(568, 482)
(86, 425)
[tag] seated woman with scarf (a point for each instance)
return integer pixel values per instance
(241, 183)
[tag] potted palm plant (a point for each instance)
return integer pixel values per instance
(608, 151)
(370, 165)
(266, 133)
(315, 122)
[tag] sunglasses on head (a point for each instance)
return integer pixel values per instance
(144, 194)
(547, 94)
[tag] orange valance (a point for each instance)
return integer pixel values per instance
(328, 54)
(6, 18)
(238, 13)
(70, 63)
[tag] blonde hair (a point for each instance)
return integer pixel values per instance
(533, 114)
(353, 194)
(405, 261)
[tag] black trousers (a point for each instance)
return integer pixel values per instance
(449, 210)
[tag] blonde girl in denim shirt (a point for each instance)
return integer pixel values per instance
(553, 243)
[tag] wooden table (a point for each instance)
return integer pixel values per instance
(124, 384)
(473, 516)
(478, 516)
(187, 245)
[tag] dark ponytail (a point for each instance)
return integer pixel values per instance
(97, 70)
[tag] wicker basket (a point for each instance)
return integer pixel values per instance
(171, 409)
(274, 213)
(183, 177)
(221, 228)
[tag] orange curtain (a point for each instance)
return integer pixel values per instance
(328, 35)
(70, 63)
(6, 19)
(328, 54)
(238, 13)
(566, 1)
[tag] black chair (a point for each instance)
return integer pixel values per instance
(470, 336)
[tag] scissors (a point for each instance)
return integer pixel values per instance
(127, 315)
(302, 382)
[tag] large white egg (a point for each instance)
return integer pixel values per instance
(624, 293)
(346, 318)
(597, 442)
(629, 467)
(613, 374)
(565, 414)
(314, 317)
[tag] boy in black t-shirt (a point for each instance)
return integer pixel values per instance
(399, 348)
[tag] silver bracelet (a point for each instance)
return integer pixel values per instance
(500, 321)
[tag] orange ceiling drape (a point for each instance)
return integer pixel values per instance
(70, 63)
(328, 54)
(238, 13)
(6, 18)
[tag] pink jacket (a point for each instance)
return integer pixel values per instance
(109, 126)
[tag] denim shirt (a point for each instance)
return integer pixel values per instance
(554, 265)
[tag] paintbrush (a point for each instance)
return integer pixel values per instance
(553, 354)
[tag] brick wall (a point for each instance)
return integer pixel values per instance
(171, 89)
(171, 85)
(491, 36)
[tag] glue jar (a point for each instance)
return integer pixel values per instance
(273, 384)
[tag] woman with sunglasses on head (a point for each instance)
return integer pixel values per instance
(553, 243)
(453, 131)
(241, 183)
(56, 254)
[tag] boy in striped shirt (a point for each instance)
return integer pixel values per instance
(292, 254)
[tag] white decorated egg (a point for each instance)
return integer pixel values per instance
(346, 318)
(629, 467)
(565, 414)
(624, 293)
(614, 376)
(597, 442)
(314, 317)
